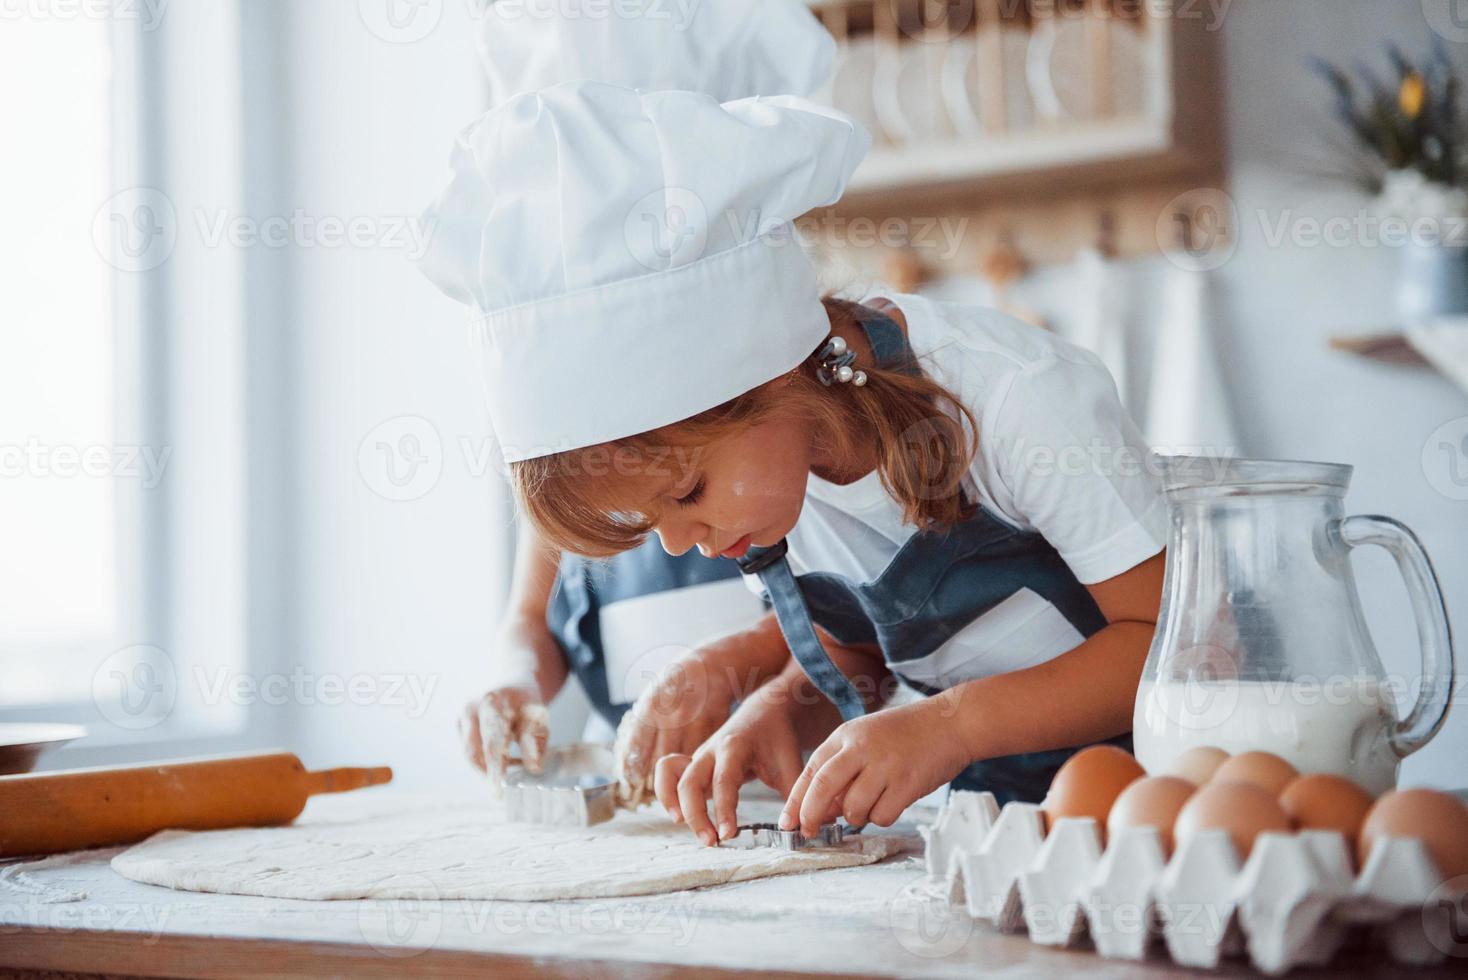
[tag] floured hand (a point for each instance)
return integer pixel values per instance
(502, 719)
(673, 716)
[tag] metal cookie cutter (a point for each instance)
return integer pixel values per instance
(576, 788)
(770, 835)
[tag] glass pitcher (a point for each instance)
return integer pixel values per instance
(1261, 642)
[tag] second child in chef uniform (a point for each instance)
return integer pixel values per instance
(615, 624)
(925, 491)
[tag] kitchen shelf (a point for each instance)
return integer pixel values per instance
(1389, 348)
(981, 97)
(1029, 156)
(1441, 344)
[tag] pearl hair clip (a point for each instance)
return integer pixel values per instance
(835, 360)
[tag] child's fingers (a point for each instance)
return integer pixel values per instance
(890, 805)
(532, 732)
(861, 796)
(494, 737)
(789, 816)
(730, 767)
(635, 755)
(469, 734)
(668, 771)
(828, 783)
(693, 795)
(662, 745)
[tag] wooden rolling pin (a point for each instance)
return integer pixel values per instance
(46, 813)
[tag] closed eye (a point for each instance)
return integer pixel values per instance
(691, 497)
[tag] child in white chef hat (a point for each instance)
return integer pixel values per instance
(927, 491)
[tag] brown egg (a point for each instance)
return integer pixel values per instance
(1153, 801)
(1197, 764)
(1089, 783)
(1439, 819)
(1321, 801)
(1263, 769)
(1242, 809)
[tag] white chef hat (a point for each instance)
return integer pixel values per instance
(629, 256)
(729, 49)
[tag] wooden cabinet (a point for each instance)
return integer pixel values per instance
(982, 97)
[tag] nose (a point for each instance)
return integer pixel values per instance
(677, 539)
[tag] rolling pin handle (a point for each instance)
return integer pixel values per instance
(347, 778)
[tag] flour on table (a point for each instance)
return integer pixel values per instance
(468, 853)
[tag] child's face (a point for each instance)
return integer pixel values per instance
(741, 490)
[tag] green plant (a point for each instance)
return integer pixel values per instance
(1413, 121)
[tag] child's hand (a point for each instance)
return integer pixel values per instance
(502, 718)
(673, 716)
(759, 742)
(686, 705)
(872, 768)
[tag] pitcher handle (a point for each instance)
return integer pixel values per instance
(1434, 634)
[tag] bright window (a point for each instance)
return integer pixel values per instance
(59, 466)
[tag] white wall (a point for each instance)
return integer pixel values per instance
(382, 588)
(1297, 398)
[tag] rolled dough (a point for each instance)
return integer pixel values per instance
(467, 853)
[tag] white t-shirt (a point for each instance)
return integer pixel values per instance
(1057, 454)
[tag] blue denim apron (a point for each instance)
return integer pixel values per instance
(584, 586)
(937, 583)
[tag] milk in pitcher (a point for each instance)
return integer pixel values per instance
(1341, 726)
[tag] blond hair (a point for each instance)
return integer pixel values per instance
(925, 438)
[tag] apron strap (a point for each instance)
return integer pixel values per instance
(890, 349)
(773, 569)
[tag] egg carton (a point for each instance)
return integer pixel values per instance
(1295, 902)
